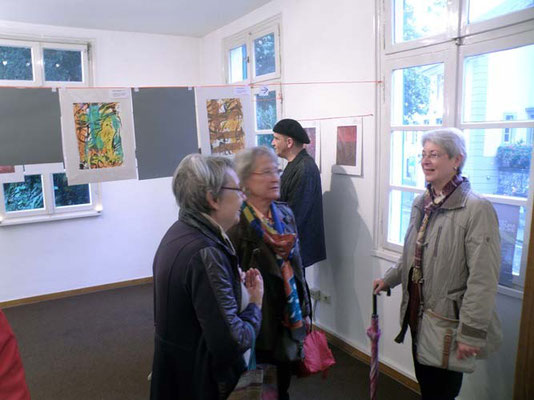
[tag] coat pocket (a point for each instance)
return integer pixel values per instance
(436, 344)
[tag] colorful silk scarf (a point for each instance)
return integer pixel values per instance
(283, 245)
(431, 203)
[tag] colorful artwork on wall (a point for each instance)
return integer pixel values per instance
(314, 147)
(97, 134)
(348, 133)
(225, 120)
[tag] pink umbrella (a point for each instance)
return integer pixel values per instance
(374, 334)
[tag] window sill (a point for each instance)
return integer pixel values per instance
(46, 218)
(384, 254)
(510, 292)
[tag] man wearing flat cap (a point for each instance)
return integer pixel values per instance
(301, 188)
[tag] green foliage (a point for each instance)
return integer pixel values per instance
(415, 94)
(264, 54)
(16, 63)
(514, 156)
(266, 111)
(69, 195)
(62, 65)
(27, 195)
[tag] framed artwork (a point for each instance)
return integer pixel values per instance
(11, 173)
(97, 135)
(348, 133)
(225, 120)
(313, 129)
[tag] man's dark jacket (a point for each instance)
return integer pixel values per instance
(301, 189)
(200, 333)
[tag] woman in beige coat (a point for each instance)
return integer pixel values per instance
(449, 271)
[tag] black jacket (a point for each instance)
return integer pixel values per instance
(301, 189)
(254, 253)
(200, 334)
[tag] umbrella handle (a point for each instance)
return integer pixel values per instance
(388, 293)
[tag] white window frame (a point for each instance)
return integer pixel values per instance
(452, 53)
(247, 37)
(257, 84)
(50, 211)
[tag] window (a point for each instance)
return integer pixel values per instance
(41, 192)
(253, 57)
(460, 64)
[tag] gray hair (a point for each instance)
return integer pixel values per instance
(195, 176)
(450, 139)
(246, 159)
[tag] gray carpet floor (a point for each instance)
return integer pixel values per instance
(99, 346)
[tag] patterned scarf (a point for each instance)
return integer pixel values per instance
(283, 247)
(431, 203)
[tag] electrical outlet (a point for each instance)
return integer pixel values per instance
(315, 294)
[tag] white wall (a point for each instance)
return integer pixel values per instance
(335, 41)
(119, 245)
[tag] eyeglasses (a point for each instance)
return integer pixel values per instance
(433, 155)
(269, 172)
(236, 189)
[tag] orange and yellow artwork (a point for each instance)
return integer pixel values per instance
(225, 122)
(98, 132)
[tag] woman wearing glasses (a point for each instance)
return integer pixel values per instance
(205, 316)
(266, 237)
(449, 271)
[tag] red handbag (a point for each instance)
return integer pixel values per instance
(317, 355)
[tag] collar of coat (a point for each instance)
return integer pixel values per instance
(303, 153)
(207, 228)
(456, 200)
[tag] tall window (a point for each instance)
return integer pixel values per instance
(466, 64)
(40, 192)
(253, 57)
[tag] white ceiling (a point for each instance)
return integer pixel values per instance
(173, 17)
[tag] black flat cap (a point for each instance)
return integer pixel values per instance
(291, 128)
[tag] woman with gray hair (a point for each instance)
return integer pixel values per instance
(266, 237)
(206, 311)
(449, 271)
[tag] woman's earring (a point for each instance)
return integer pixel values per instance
(455, 168)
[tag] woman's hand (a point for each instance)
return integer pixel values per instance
(379, 285)
(254, 285)
(465, 351)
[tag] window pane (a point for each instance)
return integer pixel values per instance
(498, 160)
(62, 65)
(266, 111)
(405, 168)
(16, 63)
(264, 55)
(481, 10)
(400, 207)
(499, 86)
(265, 140)
(512, 231)
(238, 64)
(27, 195)
(416, 19)
(69, 195)
(417, 97)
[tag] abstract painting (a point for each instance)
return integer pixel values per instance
(225, 120)
(346, 145)
(97, 134)
(98, 130)
(348, 133)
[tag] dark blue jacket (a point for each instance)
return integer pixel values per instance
(301, 189)
(200, 334)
